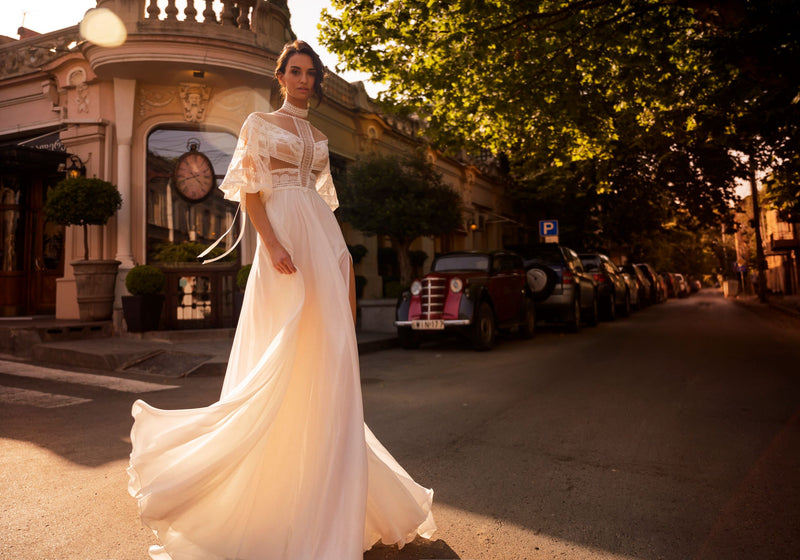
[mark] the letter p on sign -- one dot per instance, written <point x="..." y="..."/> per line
<point x="548" y="229"/>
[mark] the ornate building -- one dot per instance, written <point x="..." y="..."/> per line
<point x="181" y="83"/>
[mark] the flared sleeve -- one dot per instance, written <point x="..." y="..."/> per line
<point x="248" y="171"/>
<point x="326" y="188"/>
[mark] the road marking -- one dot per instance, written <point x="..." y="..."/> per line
<point x="104" y="381"/>
<point x="26" y="397"/>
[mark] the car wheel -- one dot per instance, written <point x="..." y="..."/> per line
<point x="594" y="313"/>
<point x="574" y="324"/>
<point x="541" y="280"/>
<point x="408" y="338"/>
<point x="528" y="326"/>
<point x="483" y="328"/>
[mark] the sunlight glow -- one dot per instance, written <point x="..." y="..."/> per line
<point x="103" y="27"/>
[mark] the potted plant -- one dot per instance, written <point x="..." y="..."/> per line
<point x="80" y="201"/>
<point x="142" y="309"/>
<point x="241" y="283"/>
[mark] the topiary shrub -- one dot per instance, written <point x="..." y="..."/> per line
<point x="187" y="252"/>
<point x="358" y="252"/>
<point x="81" y="201"/>
<point x="145" y="280"/>
<point x="242" y="275"/>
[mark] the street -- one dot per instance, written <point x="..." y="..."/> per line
<point x="673" y="434"/>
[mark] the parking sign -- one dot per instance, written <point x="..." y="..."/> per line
<point x="548" y="228"/>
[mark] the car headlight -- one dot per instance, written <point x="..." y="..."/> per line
<point x="456" y="284"/>
<point x="416" y="287"/>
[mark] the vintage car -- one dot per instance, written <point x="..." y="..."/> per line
<point x="471" y="293"/>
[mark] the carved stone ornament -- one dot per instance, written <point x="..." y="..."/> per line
<point x="77" y="79"/>
<point x="195" y="101"/>
<point x="155" y="97"/>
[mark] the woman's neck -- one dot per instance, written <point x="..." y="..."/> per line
<point x="293" y="110"/>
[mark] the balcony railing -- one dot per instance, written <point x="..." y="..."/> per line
<point x="234" y="13"/>
<point x="783" y="241"/>
<point x="245" y="21"/>
<point x="28" y="55"/>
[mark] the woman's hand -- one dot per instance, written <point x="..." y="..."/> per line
<point x="281" y="259"/>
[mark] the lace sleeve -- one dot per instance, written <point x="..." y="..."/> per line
<point x="326" y="188"/>
<point x="248" y="171"/>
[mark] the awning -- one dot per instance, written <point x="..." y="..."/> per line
<point x="49" y="142"/>
<point x="44" y="153"/>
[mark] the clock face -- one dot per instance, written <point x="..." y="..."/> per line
<point x="194" y="176"/>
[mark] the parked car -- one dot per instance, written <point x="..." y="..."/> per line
<point x="563" y="291"/>
<point x="471" y="293"/>
<point x="672" y="284"/>
<point x="641" y="289"/>
<point x="657" y="287"/>
<point x="682" y="286"/>
<point x="613" y="293"/>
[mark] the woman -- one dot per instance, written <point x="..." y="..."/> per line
<point x="282" y="466"/>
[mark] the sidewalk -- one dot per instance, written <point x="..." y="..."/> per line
<point x="48" y="341"/>
<point x="788" y="305"/>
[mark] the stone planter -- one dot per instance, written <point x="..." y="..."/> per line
<point x="95" y="282"/>
<point x="142" y="312"/>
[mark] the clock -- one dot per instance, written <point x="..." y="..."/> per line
<point x="194" y="175"/>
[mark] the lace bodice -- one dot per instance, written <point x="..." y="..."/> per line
<point x="279" y="151"/>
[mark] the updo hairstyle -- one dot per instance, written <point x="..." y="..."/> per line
<point x="301" y="47"/>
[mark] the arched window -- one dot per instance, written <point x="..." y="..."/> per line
<point x="174" y="216"/>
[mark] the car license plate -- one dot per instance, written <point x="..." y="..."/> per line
<point x="427" y="325"/>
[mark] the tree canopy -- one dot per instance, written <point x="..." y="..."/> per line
<point x="402" y="198"/>
<point x="647" y="107"/>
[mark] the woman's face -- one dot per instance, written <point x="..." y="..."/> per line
<point x="298" y="79"/>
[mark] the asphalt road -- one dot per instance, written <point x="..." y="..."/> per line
<point x="673" y="434"/>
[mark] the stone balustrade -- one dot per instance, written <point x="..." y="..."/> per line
<point x="28" y="55"/>
<point x="234" y="13"/>
<point x="261" y="23"/>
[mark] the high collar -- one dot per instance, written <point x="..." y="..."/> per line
<point x="294" y="110"/>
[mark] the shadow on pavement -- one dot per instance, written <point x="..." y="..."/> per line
<point x="419" y="549"/>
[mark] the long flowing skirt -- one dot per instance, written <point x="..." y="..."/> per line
<point x="282" y="467"/>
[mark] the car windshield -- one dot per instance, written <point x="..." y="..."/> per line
<point x="449" y="263"/>
<point x="590" y="262"/>
<point x="547" y="254"/>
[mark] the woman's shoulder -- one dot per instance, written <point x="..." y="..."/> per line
<point x="258" y="117"/>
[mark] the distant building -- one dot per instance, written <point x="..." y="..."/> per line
<point x="782" y="251"/>
<point x="181" y="81"/>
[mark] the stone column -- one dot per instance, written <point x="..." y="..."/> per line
<point x="124" y="93"/>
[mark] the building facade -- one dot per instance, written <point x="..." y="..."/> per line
<point x="182" y="82"/>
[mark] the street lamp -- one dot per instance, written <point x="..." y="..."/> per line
<point x="75" y="168"/>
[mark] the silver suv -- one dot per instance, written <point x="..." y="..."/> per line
<point x="563" y="291"/>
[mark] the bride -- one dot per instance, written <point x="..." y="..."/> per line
<point x="282" y="466"/>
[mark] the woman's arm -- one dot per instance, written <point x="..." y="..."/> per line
<point x="281" y="259"/>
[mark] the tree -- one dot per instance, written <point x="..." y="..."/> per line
<point x="782" y="193"/>
<point x="82" y="201"/>
<point x="624" y="97"/>
<point x="402" y="198"/>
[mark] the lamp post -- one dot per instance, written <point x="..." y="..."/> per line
<point x="75" y="168"/>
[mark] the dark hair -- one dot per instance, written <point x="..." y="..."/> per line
<point x="301" y="47"/>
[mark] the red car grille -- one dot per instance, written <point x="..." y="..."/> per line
<point x="432" y="297"/>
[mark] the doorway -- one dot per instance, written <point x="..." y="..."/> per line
<point x="31" y="248"/>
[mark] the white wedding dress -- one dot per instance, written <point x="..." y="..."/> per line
<point x="282" y="467"/>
